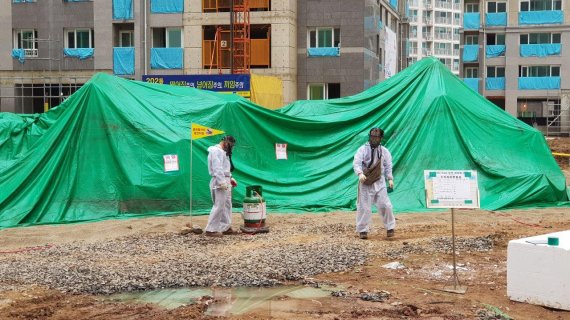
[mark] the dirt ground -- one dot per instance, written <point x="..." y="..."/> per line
<point x="414" y="292"/>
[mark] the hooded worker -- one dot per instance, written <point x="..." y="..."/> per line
<point x="373" y="166"/>
<point x="220" y="167"/>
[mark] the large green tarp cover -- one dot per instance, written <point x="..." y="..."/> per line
<point x="99" y="154"/>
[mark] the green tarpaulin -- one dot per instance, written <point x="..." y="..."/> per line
<point x="100" y="154"/>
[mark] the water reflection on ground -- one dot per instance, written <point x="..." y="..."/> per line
<point x="231" y="301"/>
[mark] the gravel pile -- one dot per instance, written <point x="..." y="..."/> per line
<point x="146" y="262"/>
<point x="442" y="245"/>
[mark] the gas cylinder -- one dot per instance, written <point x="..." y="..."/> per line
<point x="254" y="211"/>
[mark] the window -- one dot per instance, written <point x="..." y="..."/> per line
<point x="539" y="38"/>
<point x="324" y="38"/>
<point x="126" y="38"/>
<point x="167" y="38"/>
<point x="495" y="39"/>
<point x="471" y="39"/>
<point x="539" y="71"/>
<point x="472" y="7"/>
<point x="28" y="40"/>
<point x="541" y="5"/>
<point x="414" y="31"/>
<point x="323" y="91"/>
<point x="79" y="38"/>
<point x="495" y="7"/>
<point x="471" y="72"/>
<point x="495" y="72"/>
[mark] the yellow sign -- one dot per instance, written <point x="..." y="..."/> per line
<point x="199" y="131"/>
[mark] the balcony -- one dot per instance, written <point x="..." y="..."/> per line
<point x="541" y="17"/>
<point x="124" y="61"/>
<point x="427" y="52"/>
<point x="495" y="83"/>
<point x="442" y="20"/>
<point x="443" y="52"/>
<point x="167" y="6"/>
<point x="492" y="51"/>
<point x="472" y="83"/>
<point x="427" y="36"/>
<point x="443" y="5"/>
<point x="166" y="58"/>
<point x="498" y="19"/>
<point x="471" y="21"/>
<point x="427" y="21"/>
<point x="539" y="83"/>
<point x="443" y="36"/>
<point x="471" y="53"/>
<point x="122" y="10"/>
<point x="540" y="50"/>
<point x="413" y="50"/>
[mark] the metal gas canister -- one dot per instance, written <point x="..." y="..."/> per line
<point x="254" y="210"/>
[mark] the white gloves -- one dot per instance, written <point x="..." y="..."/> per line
<point x="391" y="184"/>
<point x="361" y="177"/>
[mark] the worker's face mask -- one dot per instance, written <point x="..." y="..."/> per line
<point x="374" y="140"/>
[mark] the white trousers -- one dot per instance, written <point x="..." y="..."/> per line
<point x="368" y="196"/>
<point x="220" y="218"/>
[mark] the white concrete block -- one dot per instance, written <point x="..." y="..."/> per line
<point x="538" y="273"/>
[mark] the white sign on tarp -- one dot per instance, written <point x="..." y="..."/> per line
<point x="281" y="151"/>
<point x="171" y="162"/>
<point x="451" y="188"/>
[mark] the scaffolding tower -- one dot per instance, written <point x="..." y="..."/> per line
<point x="241" y="37"/>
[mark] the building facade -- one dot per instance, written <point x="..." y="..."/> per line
<point x="318" y="48"/>
<point x="434" y="31"/>
<point x="516" y="54"/>
<point x="345" y="47"/>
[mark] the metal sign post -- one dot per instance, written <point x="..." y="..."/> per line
<point x="452" y="189"/>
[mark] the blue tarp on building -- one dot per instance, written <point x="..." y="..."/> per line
<point x="495" y="50"/>
<point x="470" y="52"/>
<point x="166" y="6"/>
<point x="166" y="58"/>
<point x="538" y="83"/>
<point x="496" y="19"/>
<point x="541" y="17"/>
<point x="323" y="52"/>
<point x="495" y="83"/>
<point x="471" y="20"/>
<point x="124" y="61"/>
<point x="540" y="50"/>
<point x="122" y="9"/>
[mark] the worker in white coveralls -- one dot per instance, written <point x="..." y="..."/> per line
<point x="220" y="168"/>
<point x="373" y="166"/>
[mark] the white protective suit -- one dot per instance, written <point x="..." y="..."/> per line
<point x="220" y="218"/>
<point x="375" y="193"/>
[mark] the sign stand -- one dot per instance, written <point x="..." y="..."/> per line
<point x="452" y="189"/>
<point x="456" y="288"/>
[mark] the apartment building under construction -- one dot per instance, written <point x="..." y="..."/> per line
<point x="319" y="49"/>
